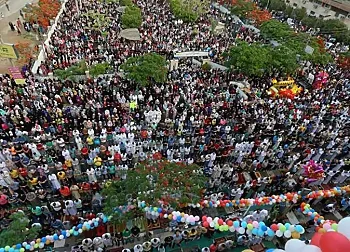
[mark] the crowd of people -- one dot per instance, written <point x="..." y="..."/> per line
<point x="62" y="140"/>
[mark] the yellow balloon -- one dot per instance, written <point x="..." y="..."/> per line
<point x="295" y="235"/>
<point x="182" y="214"/>
<point x="248" y="250"/>
<point x="170" y="216"/>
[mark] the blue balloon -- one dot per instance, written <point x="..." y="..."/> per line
<point x="27" y="247"/>
<point x="11" y="250"/>
<point x="55" y="237"/>
<point x="75" y="233"/>
<point x="255" y="231"/>
<point x="270" y="250"/>
<point x="236" y="224"/>
<point x="159" y="210"/>
<point x="244" y="224"/>
<point x="88" y="227"/>
<point x="210" y="204"/>
<point x="270" y="233"/>
<point x="2" y="250"/>
<point x="43" y="240"/>
<point x="105" y="219"/>
<point x="227" y="204"/>
<point x="193" y="223"/>
<point x="298" y="228"/>
<point x="96" y="224"/>
<point x="264" y="228"/>
<point x="287" y="225"/>
<point x="261" y="233"/>
<point x="64" y="232"/>
<point x="261" y="224"/>
<point x="18" y="246"/>
<point x="80" y="226"/>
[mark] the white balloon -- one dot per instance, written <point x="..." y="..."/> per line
<point x="279" y="233"/>
<point x="279" y="250"/>
<point x="291" y="228"/>
<point x="294" y="245"/>
<point x="232" y="229"/>
<point x="241" y="230"/>
<point x="343" y="227"/>
<point x="311" y="248"/>
<point x="212" y="224"/>
<point x="287" y="234"/>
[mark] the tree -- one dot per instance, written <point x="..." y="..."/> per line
<point x="283" y="59"/>
<point x="242" y="8"/>
<point x="274" y="29"/>
<point x="344" y="60"/>
<point x="98" y="69"/>
<point x="336" y="29"/>
<point x="277" y="5"/>
<point x="189" y="10"/>
<point x="146" y="68"/>
<point x="249" y="59"/>
<point x="300" y="13"/>
<point x="132" y="17"/>
<point x="260" y="16"/>
<point x="18" y="230"/>
<point x="153" y="183"/>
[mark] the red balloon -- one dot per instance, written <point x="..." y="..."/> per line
<point x="220" y="222"/>
<point x="274" y="227"/>
<point x="205" y="224"/>
<point x="334" y="242"/>
<point x="204" y="218"/>
<point x="316" y="239"/>
<point x="229" y="223"/>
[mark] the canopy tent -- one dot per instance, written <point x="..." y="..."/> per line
<point x="130" y="34"/>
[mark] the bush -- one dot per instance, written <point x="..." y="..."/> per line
<point x="126" y="3"/>
<point x="132" y="17"/>
<point x="70" y="72"/>
<point x="188" y="10"/>
<point x="98" y="69"/>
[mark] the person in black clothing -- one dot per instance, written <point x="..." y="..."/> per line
<point x="135" y="232"/>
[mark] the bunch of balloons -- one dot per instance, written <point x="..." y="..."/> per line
<point x="313" y="171"/>
<point x="218" y="224"/>
<point x="60" y="235"/>
<point x="254" y="228"/>
<point x="288" y="197"/>
<point x="182" y="217"/>
<point x="333" y="240"/>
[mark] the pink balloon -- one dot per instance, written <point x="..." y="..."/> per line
<point x="255" y="224"/>
<point x="327" y="226"/>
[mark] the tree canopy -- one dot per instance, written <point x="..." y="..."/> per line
<point x="189" y="10"/>
<point x="146" y="68"/>
<point x="18" y="230"/>
<point x="132" y="17"/>
<point x="274" y="29"/>
<point x="149" y="184"/>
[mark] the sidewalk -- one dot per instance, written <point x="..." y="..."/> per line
<point x="9" y="36"/>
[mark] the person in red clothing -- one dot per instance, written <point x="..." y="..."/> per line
<point x="213" y="247"/>
<point x="3" y="200"/>
<point x="65" y="191"/>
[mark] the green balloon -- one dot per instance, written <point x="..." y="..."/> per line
<point x="71" y="231"/>
<point x="7" y="248"/>
<point x="283" y="228"/>
<point x="250" y="226"/>
<point x="226" y="227"/>
<point x="335" y="226"/>
<point x="21" y="250"/>
<point x="36" y="245"/>
<point x="216" y="226"/>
